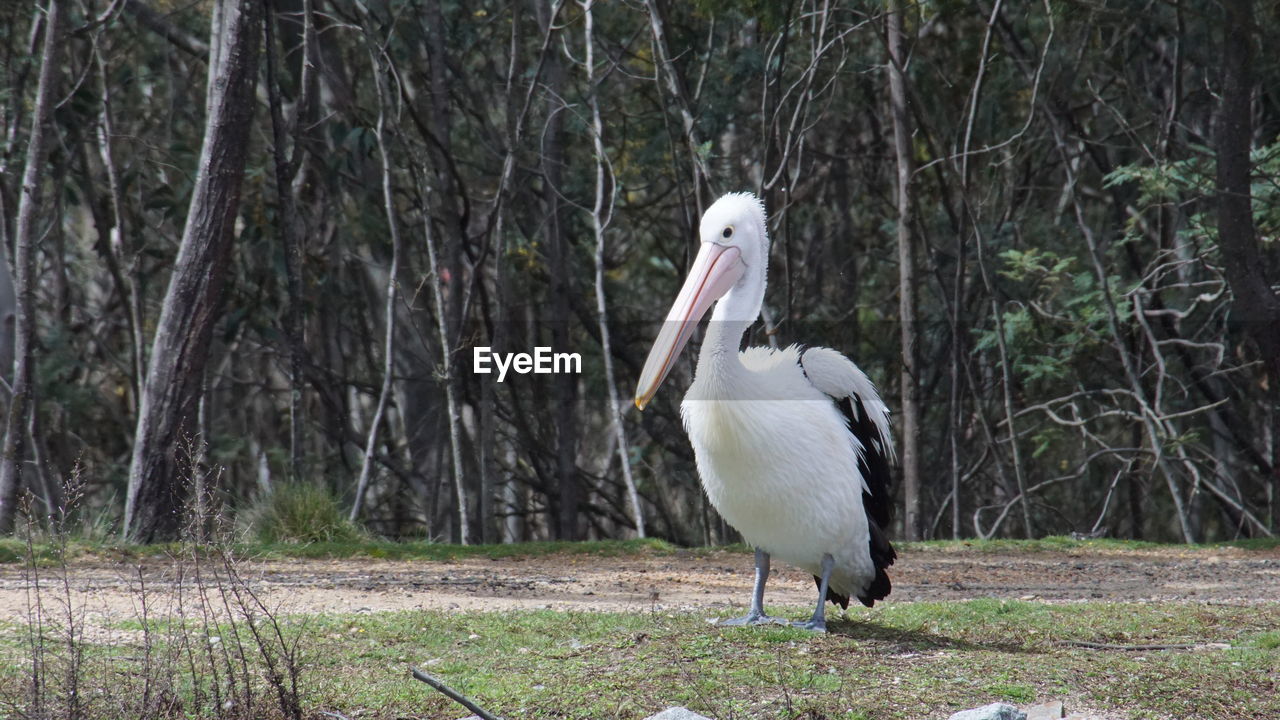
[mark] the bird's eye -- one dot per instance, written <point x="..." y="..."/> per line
<point x="727" y="232"/>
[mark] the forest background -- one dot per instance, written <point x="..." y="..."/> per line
<point x="1047" y="230"/>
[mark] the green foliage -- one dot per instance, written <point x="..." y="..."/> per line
<point x="300" y="513"/>
<point x="1193" y="178"/>
<point x="1059" y="328"/>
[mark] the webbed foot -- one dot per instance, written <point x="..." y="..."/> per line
<point x="753" y="619"/>
<point x="813" y="625"/>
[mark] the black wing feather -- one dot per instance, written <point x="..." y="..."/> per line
<point x="873" y="463"/>
<point x="878" y="503"/>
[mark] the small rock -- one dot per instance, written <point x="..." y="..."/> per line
<point x="994" y="711"/>
<point x="1045" y="711"/>
<point x="677" y="713"/>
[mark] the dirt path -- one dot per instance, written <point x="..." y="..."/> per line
<point x="716" y="583"/>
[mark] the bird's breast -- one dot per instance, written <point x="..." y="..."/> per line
<point x="783" y="472"/>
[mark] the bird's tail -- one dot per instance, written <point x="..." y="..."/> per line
<point x="882" y="556"/>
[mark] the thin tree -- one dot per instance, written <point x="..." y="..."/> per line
<point x="120" y="250"/>
<point x="552" y="162"/>
<point x="906" y="277"/>
<point x="158" y="471"/>
<point x="23" y="402"/>
<point x="599" y="221"/>
<point x="451" y="399"/>
<point x="392" y="293"/>
<point x="286" y="167"/>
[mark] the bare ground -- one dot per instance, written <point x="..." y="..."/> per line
<point x="716" y="583"/>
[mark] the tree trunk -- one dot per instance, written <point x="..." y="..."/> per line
<point x="452" y="269"/>
<point x="289" y="235"/>
<point x="564" y="393"/>
<point x="906" y="280"/>
<point x="599" y="219"/>
<point x="1256" y="306"/>
<point x="24" y="286"/>
<point x="392" y="292"/>
<point x="170" y="398"/>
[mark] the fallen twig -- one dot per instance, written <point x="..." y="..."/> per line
<point x="1133" y="648"/>
<point x="461" y="699"/>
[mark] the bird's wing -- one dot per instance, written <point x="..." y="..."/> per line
<point x="837" y="376"/>
<point x="856" y="396"/>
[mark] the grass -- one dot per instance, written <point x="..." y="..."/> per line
<point x="15" y="550"/>
<point x="898" y="661"/>
<point x="300" y="513"/>
<point x="1058" y="543"/>
<point x="914" y="660"/>
<point x="895" y="662"/>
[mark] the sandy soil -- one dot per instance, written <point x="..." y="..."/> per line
<point x="716" y="583"/>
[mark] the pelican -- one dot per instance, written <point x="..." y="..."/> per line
<point x="793" y="446"/>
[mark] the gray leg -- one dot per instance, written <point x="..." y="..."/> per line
<point x="756" y="615"/>
<point x="818" y="623"/>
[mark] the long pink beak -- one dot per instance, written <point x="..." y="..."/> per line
<point x="714" y="271"/>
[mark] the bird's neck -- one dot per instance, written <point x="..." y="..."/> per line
<point x="733" y="314"/>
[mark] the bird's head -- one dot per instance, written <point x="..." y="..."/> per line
<point x="737" y="220"/>
<point x="733" y="254"/>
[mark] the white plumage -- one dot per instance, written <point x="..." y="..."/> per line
<point x="792" y="445"/>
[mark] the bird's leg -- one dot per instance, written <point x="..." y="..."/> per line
<point x="818" y="623"/>
<point x="756" y="616"/>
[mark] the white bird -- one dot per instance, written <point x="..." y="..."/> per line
<point x="793" y="446"/>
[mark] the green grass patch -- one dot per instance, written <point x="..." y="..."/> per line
<point x="358" y="545"/>
<point x="424" y="550"/>
<point x="898" y="661"/>
<point x="1058" y="543"/>
<point x="16" y="551"/>
<point x="1267" y="640"/>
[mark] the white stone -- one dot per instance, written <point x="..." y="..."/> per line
<point x="994" y="711"/>
<point x="1045" y="711"/>
<point x="677" y="713"/>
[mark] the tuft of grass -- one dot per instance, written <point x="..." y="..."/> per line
<point x="1266" y="640"/>
<point x="300" y="513"/>
<point x="1012" y="692"/>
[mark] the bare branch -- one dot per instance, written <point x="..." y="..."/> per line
<point x="454" y="695"/>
